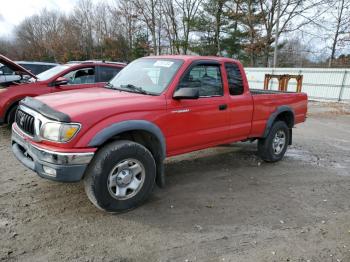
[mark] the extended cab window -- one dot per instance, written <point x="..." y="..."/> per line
<point x="81" y="76"/>
<point x="207" y="78"/>
<point x="106" y="73"/>
<point x="234" y="77"/>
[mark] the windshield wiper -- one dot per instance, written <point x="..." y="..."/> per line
<point x="109" y="85"/>
<point x="137" y="89"/>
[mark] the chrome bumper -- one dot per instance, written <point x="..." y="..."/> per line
<point x="58" y="166"/>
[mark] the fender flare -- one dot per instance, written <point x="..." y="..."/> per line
<point x="274" y="115"/>
<point x="130" y="125"/>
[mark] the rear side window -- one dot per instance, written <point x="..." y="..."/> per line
<point x="107" y="73"/>
<point x="234" y="77"/>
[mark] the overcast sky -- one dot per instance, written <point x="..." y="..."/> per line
<point x="12" y="12"/>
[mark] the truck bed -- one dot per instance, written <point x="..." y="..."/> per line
<point x="271" y="92"/>
<point x="266" y="103"/>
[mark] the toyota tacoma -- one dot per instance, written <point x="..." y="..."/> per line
<point x="116" y="138"/>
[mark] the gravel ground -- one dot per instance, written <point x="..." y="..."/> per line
<point x="220" y="204"/>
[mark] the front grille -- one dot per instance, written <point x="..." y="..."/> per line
<point x="25" y="122"/>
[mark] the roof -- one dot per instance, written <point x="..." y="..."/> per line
<point x="97" y="62"/>
<point x="35" y="63"/>
<point x="193" y="57"/>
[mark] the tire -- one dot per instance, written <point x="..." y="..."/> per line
<point x="11" y="115"/>
<point x="270" y="151"/>
<point x="113" y="181"/>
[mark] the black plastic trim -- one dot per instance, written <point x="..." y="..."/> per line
<point x="130" y="125"/>
<point x="101" y="137"/>
<point x="274" y="115"/>
<point x="64" y="173"/>
<point x="44" y="109"/>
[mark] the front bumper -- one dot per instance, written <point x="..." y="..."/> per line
<point x="64" y="167"/>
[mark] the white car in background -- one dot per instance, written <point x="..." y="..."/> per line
<point x="9" y="74"/>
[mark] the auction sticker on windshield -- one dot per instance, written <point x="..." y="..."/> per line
<point x="163" y="63"/>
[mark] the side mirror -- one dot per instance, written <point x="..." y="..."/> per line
<point x="186" y="93"/>
<point x="60" y="81"/>
<point x="1" y="72"/>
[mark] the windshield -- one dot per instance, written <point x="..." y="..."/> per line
<point x="51" y="72"/>
<point x="146" y="74"/>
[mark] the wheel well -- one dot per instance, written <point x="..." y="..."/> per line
<point x="9" y="110"/>
<point x="145" y="138"/>
<point x="287" y="117"/>
<point x="152" y="143"/>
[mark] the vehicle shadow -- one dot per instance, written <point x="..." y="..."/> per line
<point x="216" y="186"/>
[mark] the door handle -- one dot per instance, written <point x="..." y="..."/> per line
<point x="223" y="107"/>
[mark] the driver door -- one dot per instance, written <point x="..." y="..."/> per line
<point x="78" y="79"/>
<point x="196" y="123"/>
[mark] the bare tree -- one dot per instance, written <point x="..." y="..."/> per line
<point x="126" y="14"/>
<point x="83" y="17"/>
<point x="124" y="29"/>
<point x="291" y="17"/>
<point x="171" y="25"/>
<point x="148" y="12"/>
<point x="189" y="10"/>
<point x="340" y="12"/>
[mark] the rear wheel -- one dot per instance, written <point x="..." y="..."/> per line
<point x="120" y="177"/>
<point x="274" y="146"/>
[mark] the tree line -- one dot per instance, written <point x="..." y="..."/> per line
<point x="128" y="29"/>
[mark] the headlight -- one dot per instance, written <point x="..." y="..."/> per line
<point x="59" y="132"/>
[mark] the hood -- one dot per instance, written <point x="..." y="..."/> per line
<point x="15" y="67"/>
<point x="93" y="104"/>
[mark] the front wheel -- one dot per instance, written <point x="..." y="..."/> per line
<point x="274" y="146"/>
<point x="120" y="177"/>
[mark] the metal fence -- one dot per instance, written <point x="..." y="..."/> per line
<point x="318" y="83"/>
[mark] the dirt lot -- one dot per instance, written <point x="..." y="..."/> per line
<point x="221" y="204"/>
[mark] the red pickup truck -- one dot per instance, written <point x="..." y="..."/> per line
<point x="60" y="78"/>
<point x="116" y="138"/>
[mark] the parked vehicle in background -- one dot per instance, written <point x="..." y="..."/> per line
<point x="7" y="75"/>
<point x="57" y="79"/>
<point x="36" y="67"/>
<point x="116" y="138"/>
<point x="11" y="72"/>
